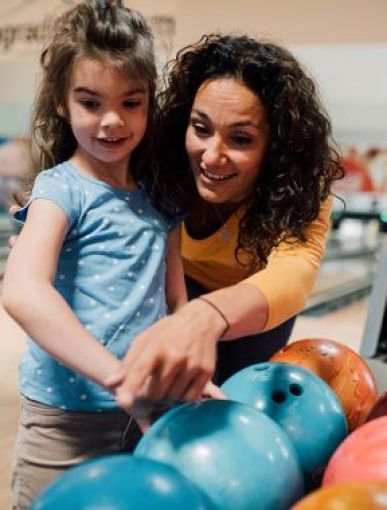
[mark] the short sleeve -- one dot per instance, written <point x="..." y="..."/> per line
<point x="175" y="220"/>
<point x="56" y="186"/>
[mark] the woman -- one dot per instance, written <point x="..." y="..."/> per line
<point x="242" y="123"/>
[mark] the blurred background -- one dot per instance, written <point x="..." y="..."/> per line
<point x="344" y="46"/>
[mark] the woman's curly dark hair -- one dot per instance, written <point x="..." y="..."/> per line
<point x="300" y="164"/>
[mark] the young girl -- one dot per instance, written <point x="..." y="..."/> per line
<point x="95" y="256"/>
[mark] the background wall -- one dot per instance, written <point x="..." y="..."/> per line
<point x="344" y="44"/>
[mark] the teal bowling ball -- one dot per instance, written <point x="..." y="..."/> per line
<point x="241" y="458"/>
<point x="122" y="482"/>
<point x="301" y="403"/>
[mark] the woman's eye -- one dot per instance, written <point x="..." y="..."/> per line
<point x="200" y="129"/>
<point x="241" y="140"/>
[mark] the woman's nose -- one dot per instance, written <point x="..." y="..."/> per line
<point x="214" y="153"/>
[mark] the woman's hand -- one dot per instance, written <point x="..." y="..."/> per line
<point x="173" y="359"/>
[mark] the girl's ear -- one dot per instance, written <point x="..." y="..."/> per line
<point x="60" y="110"/>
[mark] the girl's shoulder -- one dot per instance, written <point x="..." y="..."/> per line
<point x="61" y="172"/>
<point x="58" y="185"/>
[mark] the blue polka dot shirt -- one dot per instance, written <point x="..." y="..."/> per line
<point x="111" y="271"/>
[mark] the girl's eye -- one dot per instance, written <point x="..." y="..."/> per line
<point x="132" y="104"/>
<point x="89" y="103"/>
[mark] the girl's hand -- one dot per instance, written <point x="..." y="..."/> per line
<point x="12" y="240"/>
<point x="173" y="359"/>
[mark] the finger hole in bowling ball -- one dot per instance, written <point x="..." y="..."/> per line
<point x="261" y="367"/>
<point x="278" y="396"/>
<point x="296" y="390"/>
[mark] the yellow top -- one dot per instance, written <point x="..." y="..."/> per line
<point x="287" y="279"/>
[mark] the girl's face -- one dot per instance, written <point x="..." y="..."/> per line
<point x="226" y="140"/>
<point x="108" y="113"/>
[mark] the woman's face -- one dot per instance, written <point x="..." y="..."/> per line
<point x="226" y="140"/>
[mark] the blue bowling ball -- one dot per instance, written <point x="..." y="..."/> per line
<point x="300" y="402"/>
<point x="122" y="482"/>
<point x="241" y="458"/>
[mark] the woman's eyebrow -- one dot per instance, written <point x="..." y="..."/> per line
<point x="239" y="123"/>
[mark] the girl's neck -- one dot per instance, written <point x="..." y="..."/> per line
<point x="115" y="174"/>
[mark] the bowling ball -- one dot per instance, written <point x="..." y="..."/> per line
<point x="342" y="368"/>
<point x="120" y="482"/>
<point x="346" y="496"/>
<point x="360" y="457"/>
<point x="237" y="455"/>
<point x="379" y="409"/>
<point x="302" y="404"/>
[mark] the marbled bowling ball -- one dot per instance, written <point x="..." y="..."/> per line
<point x="342" y="368"/>
<point x="346" y="496"/>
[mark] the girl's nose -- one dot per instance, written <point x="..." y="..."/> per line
<point x="110" y="119"/>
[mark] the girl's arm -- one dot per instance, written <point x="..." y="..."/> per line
<point x="30" y="298"/>
<point x="174" y="281"/>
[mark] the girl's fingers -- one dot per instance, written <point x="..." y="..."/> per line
<point x="137" y="373"/>
<point x="114" y="380"/>
<point x="13" y="209"/>
<point x="12" y="241"/>
<point x="213" y="391"/>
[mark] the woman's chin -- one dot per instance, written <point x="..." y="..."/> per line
<point x="211" y="196"/>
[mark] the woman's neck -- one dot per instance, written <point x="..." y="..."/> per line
<point x="204" y="218"/>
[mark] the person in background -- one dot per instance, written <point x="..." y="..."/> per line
<point x="243" y="129"/>
<point x="15" y="163"/>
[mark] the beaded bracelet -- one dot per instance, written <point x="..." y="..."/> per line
<point x="219" y="312"/>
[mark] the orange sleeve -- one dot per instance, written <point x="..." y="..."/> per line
<point x="288" y="279"/>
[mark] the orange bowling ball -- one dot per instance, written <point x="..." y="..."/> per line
<point x="346" y="496"/>
<point x="342" y="368"/>
<point x="361" y="457"/>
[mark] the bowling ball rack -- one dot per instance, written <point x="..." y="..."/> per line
<point x="374" y="341"/>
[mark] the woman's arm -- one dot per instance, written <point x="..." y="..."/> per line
<point x="175" y="358"/>
<point x="288" y="279"/>
<point x="30" y="298"/>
